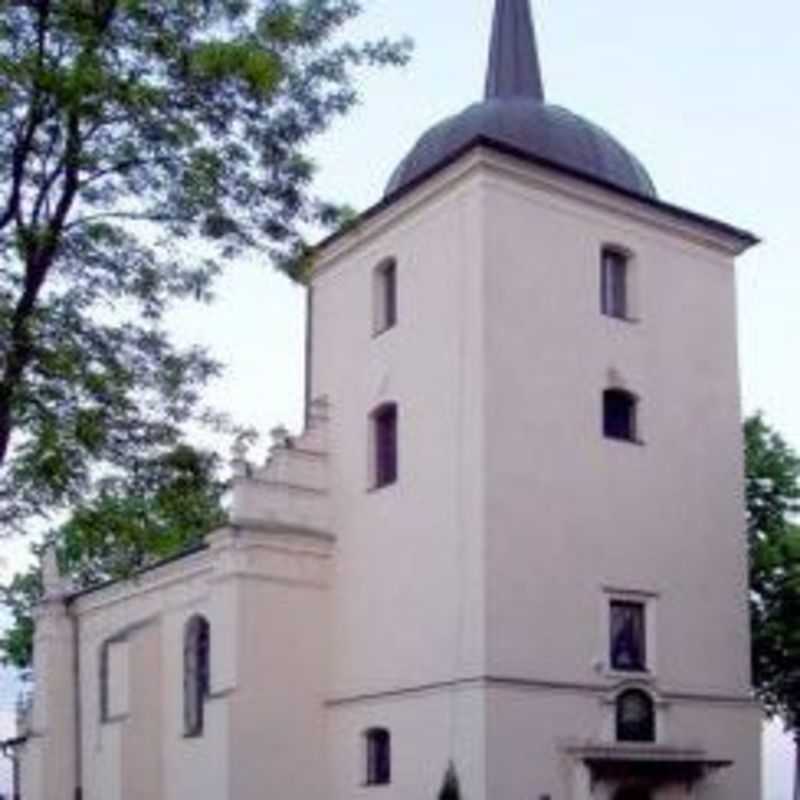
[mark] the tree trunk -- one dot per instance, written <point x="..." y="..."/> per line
<point x="38" y="262"/>
<point x="19" y="352"/>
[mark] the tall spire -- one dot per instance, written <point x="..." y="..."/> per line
<point x="513" y="59"/>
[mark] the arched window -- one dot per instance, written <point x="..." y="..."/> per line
<point x="196" y="674"/>
<point x="378" y="757"/>
<point x="384" y="445"/>
<point x="636" y="717"/>
<point x="619" y="415"/>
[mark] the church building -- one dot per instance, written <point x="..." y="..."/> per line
<point x="506" y="556"/>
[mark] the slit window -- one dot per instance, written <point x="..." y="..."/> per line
<point x="378" y="745"/>
<point x="196" y="674"/>
<point x="385" y="296"/>
<point x="619" y="415"/>
<point x="384" y="445"/>
<point x="614" y="283"/>
<point x="636" y="717"/>
<point x="628" y="636"/>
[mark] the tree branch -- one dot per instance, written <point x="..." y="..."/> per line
<point x="128" y="216"/>
<point x="118" y="168"/>
<point x="24" y="145"/>
<point x="44" y="191"/>
<point x="39" y="260"/>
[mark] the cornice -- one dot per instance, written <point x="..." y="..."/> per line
<point x="502" y="159"/>
<point x="594" y="690"/>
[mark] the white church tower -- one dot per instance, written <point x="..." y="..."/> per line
<point x="509" y="547"/>
<point x="532" y="369"/>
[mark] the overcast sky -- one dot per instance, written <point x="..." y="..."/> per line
<point x="705" y="94"/>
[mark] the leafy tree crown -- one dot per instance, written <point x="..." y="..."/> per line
<point x="143" y="145"/>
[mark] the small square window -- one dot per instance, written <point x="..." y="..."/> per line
<point x="614" y="284"/>
<point x="384" y="445"/>
<point x="628" y="636"/>
<point x="385" y="296"/>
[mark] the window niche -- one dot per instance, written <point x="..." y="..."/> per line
<point x="628" y="636"/>
<point x="615" y="283"/>
<point x="114" y="689"/>
<point x="384" y="441"/>
<point x="635" y="717"/>
<point x="196" y="674"/>
<point x="384" y="296"/>
<point x="378" y="757"/>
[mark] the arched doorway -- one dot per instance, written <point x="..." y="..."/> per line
<point x="633" y="793"/>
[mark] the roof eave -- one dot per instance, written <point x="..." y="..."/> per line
<point x="79" y="594"/>
<point x="741" y="239"/>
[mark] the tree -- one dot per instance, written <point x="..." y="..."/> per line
<point x="20" y="597"/>
<point x="451" y="787"/>
<point x="162" y="511"/>
<point x="773" y="503"/>
<point x="142" y="146"/>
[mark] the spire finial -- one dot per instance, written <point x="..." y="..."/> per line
<point x="513" y="58"/>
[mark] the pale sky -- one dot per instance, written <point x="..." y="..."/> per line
<point x="704" y="93"/>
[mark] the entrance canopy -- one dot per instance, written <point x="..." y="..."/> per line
<point x="648" y="766"/>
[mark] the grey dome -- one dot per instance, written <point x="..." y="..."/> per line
<point x="515" y="114"/>
<point x="533" y="128"/>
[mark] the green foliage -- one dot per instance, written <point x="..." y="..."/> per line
<point x="20" y="597"/>
<point x="162" y="509"/>
<point x="143" y="145"/>
<point x="773" y="503"/>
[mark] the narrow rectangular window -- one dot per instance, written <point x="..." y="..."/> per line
<point x="614" y="284"/>
<point x="628" y="636"/>
<point x="619" y="415"/>
<point x="196" y="674"/>
<point x="385" y="296"/>
<point x="104" y="691"/>
<point x="379" y="757"/>
<point x="390" y="294"/>
<point x="384" y="422"/>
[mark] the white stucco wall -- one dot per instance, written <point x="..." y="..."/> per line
<point x="513" y="520"/>
<point x="407" y="560"/>
<point x="408" y="590"/>
<point x="572" y="517"/>
<point x="264" y="597"/>
<point x="425" y="728"/>
<point x="143" y="753"/>
<point x="570" y="512"/>
<point x="277" y="735"/>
